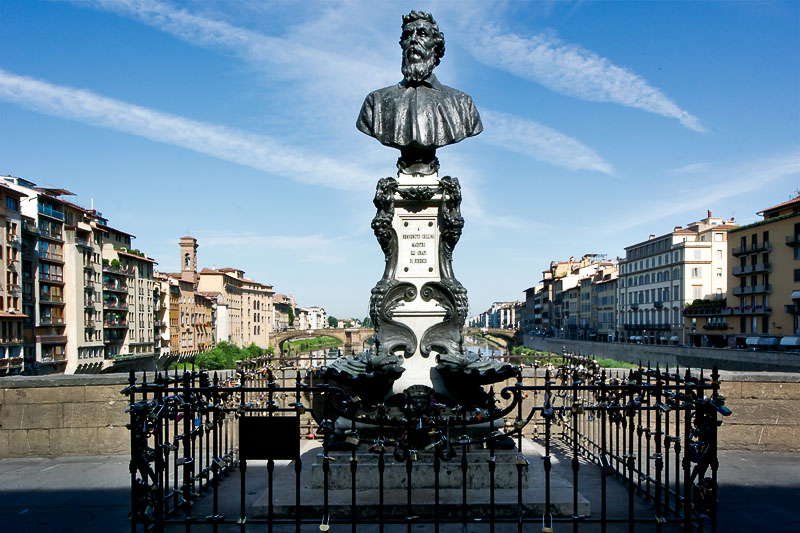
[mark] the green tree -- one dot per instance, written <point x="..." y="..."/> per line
<point x="332" y="322"/>
<point x="291" y="316"/>
<point x="367" y="322"/>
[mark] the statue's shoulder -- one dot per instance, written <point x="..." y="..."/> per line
<point x="456" y="94"/>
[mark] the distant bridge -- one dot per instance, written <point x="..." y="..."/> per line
<point x="352" y="338"/>
<point x="506" y="338"/>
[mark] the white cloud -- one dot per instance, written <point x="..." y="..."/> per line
<point x="540" y="142"/>
<point x="307" y="248"/>
<point x="258" y="151"/>
<point x="572" y="70"/>
<point x="725" y="183"/>
<point x="691" y="168"/>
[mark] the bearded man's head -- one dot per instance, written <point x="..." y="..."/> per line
<point x="423" y="45"/>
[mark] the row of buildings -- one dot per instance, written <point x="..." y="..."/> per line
<point x="76" y="296"/>
<point x="711" y="283"/>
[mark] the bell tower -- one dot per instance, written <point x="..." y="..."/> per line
<point x="188" y="258"/>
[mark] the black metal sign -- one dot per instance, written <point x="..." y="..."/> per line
<point x="269" y="437"/>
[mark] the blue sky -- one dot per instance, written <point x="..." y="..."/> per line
<point x="234" y="121"/>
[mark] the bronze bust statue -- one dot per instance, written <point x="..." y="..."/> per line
<point x="419" y="114"/>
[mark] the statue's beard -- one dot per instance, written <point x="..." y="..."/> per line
<point x="415" y="70"/>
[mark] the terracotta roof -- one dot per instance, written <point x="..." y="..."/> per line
<point x="725" y="226"/>
<point x="684" y="230"/>
<point x="107" y="227"/>
<point x="139" y="257"/>
<point x="6" y="314"/>
<point x="784" y="204"/>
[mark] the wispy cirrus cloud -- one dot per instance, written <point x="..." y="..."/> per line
<point x="575" y="71"/>
<point x="321" y="57"/>
<point x="691" y="168"/>
<point x="730" y="182"/>
<point x="309" y="248"/>
<point x="257" y="151"/>
<point x="540" y="142"/>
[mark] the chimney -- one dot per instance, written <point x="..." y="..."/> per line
<point x="651" y="237"/>
<point x="676" y="228"/>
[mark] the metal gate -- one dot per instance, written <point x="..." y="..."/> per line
<point x="653" y="430"/>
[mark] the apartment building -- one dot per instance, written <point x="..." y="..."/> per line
<point x="604" y="304"/>
<point x="11" y="316"/>
<point x="763" y="303"/>
<point x="317" y="319"/>
<point x="661" y="275"/>
<point x="531" y="320"/>
<point x="78" y="277"/>
<point x="281" y="306"/>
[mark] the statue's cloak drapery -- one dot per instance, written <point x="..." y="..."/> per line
<point x="425" y="115"/>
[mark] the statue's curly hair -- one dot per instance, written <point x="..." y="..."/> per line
<point x="438" y="36"/>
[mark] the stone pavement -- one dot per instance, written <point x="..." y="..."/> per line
<point x="758" y="491"/>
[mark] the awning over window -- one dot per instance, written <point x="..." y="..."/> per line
<point x="674" y="338"/>
<point x="790" y="341"/>
<point x="751" y="341"/>
<point x="795" y="295"/>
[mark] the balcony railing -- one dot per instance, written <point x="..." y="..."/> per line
<point x="115" y="305"/>
<point x="752" y="289"/>
<point x="51" y="256"/>
<point x="53" y="357"/>
<point x="658" y="304"/>
<point x="51" y="321"/>
<point x="707" y="311"/>
<point x="51" y="339"/>
<point x="12" y="265"/>
<point x="656" y="325"/>
<point x="46" y="276"/>
<point x="752" y="269"/>
<point x="130" y="271"/>
<point x="12" y="238"/>
<point x="51" y="298"/>
<point x="752" y="249"/>
<point x="793" y="309"/>
<point x="50" y="212"/>
<point x="10" y="340"/>
<point x="715" y="326"/>
<point x="752" y="310"/>
<point x="83" y="242"/>
<point x="792" y="240"/>
<point x="115" y="324"/>
<point x="115" y="287"/>
<point x="30" y="227"/>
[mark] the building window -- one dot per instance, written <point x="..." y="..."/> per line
<point x="719" y="254"/>
<point x="697" y="272"/>
<point x="697" y="292"/>
<point x="797" y="274"/>
<point x="12" y="203"/>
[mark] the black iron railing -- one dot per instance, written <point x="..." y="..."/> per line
<point x="651" y="429"/>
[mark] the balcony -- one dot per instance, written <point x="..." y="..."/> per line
<point x="793" y="309"/>
<point x="10" y="340"/>
<point x="51" y="256"/>
<point x="52" y="235"/>
<point x="115" y="324"/>
<point x="752" y="269"/>
<point x="112" y="337"/>
<point x="12" y="239"/>
<point x="115" y="305"/>
<point x="54" y="357"/>
<point x="707" y="311"/>
<point x="755" y="248"/>
<point x="658" y="304"/>
<point x="51" y="299"/>
<point x="647" y="326"/>
<point x="752" y="310"/>
<point x="752" y="289"/>
<point x="90" y="324"/>
<point x="130" y="271"/>
<point x="51" y="278"/>
<point x="715" y="326"/>
<point x="12" y="265"/>
<point x="83" y="242"/>
<point x="792" y="240"/>
<point x="51" y="339"/>
<point x="635" y="306"/>
<point x="29" y="227"/>
<point x="115" y="287"/>
<point x="48" y="211"/>
<point x="51" y="321"/>
<point x="89" y="303"/>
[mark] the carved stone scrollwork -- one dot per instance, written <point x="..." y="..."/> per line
<point x="446" y="336"/>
